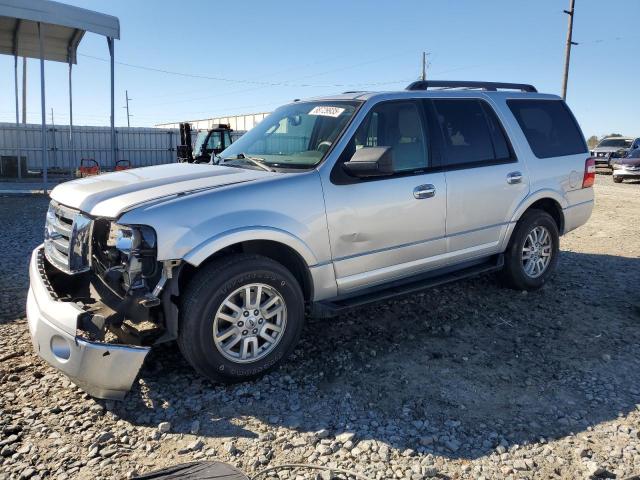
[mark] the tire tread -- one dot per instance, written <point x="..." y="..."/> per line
<point x="511" y="275"/>
<point x="200" y="285"/>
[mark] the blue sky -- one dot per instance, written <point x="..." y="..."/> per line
<point x="333" y="46"/>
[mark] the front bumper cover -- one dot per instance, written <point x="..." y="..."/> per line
<point x="103" y="370"/>
<point x="625" y="173"/>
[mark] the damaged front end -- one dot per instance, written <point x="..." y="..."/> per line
<point x="99" y="299"/>
<point x="124" y="293"/>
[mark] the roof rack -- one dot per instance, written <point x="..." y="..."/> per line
<point x="491" y="86"/>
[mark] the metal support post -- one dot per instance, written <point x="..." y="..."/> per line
<point x="45" y="159"/>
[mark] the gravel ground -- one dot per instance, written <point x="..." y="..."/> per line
<point x="464" y="381"/>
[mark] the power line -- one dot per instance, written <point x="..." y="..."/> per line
<point x="239" y="80"/>
<point x="271" y="74"/>
<point x="208" y="97"/>
<point x="296" y="67"/>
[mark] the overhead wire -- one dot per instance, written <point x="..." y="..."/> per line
<point x="237" y="80"/>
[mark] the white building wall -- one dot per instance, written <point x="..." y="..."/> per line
<point x="240" y="123"/>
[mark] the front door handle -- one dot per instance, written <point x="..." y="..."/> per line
<point x="424" y="191"/>
<point x="514" y="177"/>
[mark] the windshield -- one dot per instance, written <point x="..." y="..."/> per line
<point x="295" y="136"/>
<point x="214" y="142"/>
<point x="615" y="142"/>
<point x="634" y="153"/>
<point x="197" y="146"/>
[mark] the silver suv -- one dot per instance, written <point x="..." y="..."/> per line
<point x="327" y="204"/>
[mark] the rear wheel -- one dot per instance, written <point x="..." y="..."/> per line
<point x="532" y="255"/>
<point x="241" y="316"/>
<point x="617" y="179"/>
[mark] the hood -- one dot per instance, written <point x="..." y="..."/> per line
<point x="609" y="149"/>
<point x="111" y="194"/>
<point x="629" y="162"/>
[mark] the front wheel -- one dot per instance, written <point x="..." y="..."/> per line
<point x="241" y="316"/>
<point x="532" y="254"/>
<point x="617" y="179"/>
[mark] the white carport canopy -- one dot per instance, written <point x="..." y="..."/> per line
<point x="52" y="31"/>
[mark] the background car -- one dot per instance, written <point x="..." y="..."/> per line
<point x="627" y="167"/>
<point x="611" y="147"/>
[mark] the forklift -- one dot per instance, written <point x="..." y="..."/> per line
<point x="207" y="143"/>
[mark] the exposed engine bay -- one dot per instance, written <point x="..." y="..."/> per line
<point x="126" y="292"/>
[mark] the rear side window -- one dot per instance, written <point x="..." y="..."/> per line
<point x="549" y="126"/>
<point x="472" y="133"/>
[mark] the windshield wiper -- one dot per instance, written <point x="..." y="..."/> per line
<point x="257" y="161"/>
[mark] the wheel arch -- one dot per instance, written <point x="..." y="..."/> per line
<point x="548" y="201"/>
<point x="284" y="253"/>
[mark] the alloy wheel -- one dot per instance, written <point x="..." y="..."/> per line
<point x="250" y="323"/>
<point x="537" y="252"/>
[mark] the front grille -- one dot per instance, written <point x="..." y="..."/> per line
<point x="66" y="238"/>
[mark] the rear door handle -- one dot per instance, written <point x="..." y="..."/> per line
<point x="424" y="191"/>
<point x="514" y="177"/>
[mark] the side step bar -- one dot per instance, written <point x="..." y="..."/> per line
<point x="404" y="287"/>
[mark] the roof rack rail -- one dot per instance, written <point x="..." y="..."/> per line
<point x="491" y="86"/>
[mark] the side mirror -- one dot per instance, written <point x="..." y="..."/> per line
<point x="371" y="162"/>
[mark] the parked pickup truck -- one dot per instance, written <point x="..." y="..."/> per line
<point x="611" y="148"/>
<point x="326" y="205"/>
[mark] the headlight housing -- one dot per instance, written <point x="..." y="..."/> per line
<point x="132" y="251"/>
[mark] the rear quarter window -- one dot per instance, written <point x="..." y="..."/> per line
<point x="549" y="126"/>
<point x="473" y="135"/>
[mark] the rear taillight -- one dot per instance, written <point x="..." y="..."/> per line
<point x="589" y="173"/>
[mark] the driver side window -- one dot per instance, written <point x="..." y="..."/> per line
<point x="397" y="125"/>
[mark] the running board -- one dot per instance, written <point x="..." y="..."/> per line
<point x="336" y="306"/>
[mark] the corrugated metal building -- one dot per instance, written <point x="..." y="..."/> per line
<point x="141" y="146"/>
<point x="240" y="123"/>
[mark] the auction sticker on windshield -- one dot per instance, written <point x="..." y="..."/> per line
<point x="326" y="111"/>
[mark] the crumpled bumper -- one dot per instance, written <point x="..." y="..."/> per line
<point x="102" y="370"/>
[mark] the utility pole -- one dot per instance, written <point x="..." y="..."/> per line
<point x="24" y="90"/>
<point x="126" y="96"/>
<point x="52" y="122"/>
<point x="424" y="65"/>
<point x="570" y="42"/>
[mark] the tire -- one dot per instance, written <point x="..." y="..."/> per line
<point x="516" y="273"/>
<point x="617" y="179"/>
<point x="202" y="311"/>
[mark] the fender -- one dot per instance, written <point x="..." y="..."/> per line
<point x="224" y="239"/>
<point x="525" y="204"/>
<point x="539" y="195"/>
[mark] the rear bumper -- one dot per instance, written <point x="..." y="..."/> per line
<point x="102" y="370"/>
<point x="577" y="215"/>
